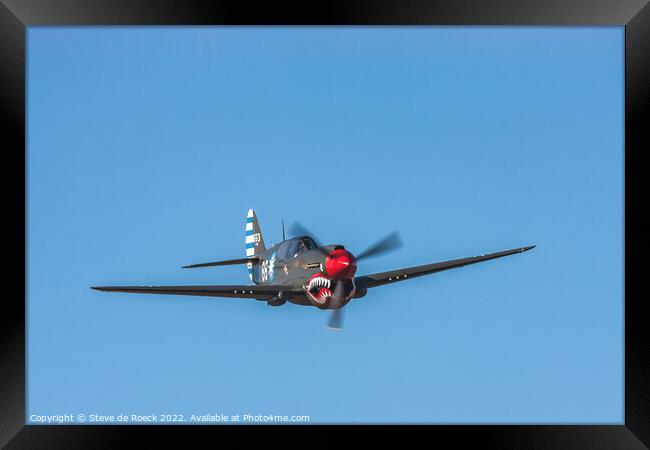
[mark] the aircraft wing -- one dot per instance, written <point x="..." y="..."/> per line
<point x="236" y="291"/>
<point x="379" y="279"/>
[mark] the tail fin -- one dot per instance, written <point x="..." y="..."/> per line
<point x="254" y="239"/>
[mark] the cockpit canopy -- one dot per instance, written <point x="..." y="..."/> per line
<point x="294" y="247"/>
<point x="309" y="243"/>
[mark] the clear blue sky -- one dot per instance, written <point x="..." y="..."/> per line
<point x="147" y="146"/>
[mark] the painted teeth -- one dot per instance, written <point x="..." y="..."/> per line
<point x="320" y="282"/>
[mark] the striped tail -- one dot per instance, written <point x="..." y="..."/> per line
<point x="254" y="239"/>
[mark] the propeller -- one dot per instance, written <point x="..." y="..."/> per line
<point x="297" y="229"/>
<point x="336" y="316"/>
<point x="334" y="322"/>
<point x="389" y="243"/>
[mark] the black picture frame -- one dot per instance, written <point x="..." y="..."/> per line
<point x="16" y="15"/>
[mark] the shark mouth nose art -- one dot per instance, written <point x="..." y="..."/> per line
<point x="319" y="289"/>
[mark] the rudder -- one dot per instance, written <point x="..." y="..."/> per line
<point x="254" y="240"/>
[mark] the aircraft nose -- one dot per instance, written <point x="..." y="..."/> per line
<point x="341" y="264"/>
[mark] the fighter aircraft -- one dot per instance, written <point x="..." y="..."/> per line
<point x="300" y="270"/>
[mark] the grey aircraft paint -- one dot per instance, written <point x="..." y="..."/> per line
<point x="300" y="270"/>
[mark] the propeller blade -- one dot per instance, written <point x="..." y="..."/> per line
<point x="391" y="242"/>
<point x="297" y="229"/>
<point x="337" y="295"/>
<point x="336" y="316"/>
<point x="335" y="320"/>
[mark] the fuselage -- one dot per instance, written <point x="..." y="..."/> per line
<point x="300" y="263"/>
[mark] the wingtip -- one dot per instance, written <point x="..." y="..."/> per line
<point x="530" y="247"/>
<point x="98" y="288"/>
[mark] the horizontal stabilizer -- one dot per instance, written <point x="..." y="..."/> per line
<point x="228" y="262"/>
